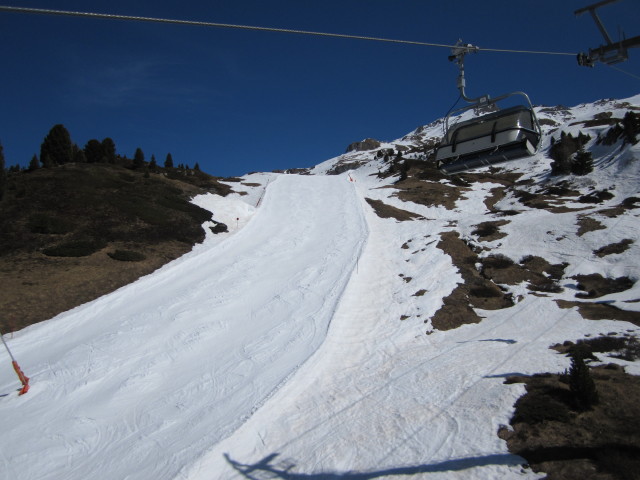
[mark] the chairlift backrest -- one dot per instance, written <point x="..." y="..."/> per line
<point x="514" y="117"/>
<point x="489" y="139"/>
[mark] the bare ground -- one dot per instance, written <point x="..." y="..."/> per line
<point x="602" y="443"/>
<point x="37" y="287"/>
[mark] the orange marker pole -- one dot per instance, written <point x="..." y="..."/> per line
<point x="23" y="378"/>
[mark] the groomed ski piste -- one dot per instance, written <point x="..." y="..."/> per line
<point x="277" y="351"/>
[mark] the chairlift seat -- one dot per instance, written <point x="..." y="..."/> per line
<point x="497" y="137"/>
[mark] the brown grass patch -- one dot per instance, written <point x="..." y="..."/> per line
<point x="476" y="291"/>
<point x="36" y="287"/>
<point x="387" y="211"/>
<point x="601" y="311"/>
<point x="588" y="224"/>
<point x="628" y="203"/>
<point x="613" y="248"/>
<point x="601" y="443"/>
<point x="595" y="285"/>
<point x="502" y="270"/>
<point x="490" y="231"/>
<point x="431" y="194"/>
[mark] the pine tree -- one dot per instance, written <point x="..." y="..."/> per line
<point x="196" y="167"/>
<point x="3" y="173"/>
<point x="168" y="163"/>
<point x="79" y="156"/>
<point x="57" y="146"/>
<point x="138" y="158"/>
<point x="46" y="161"/>
<point x="582" y="163"/>
<point x="580" y="382"/>
<point x="631" y="127"/>
<point x="34" y="164"/>
<point x="152" y="163"/>
<point x="109" y="150"/>
<point x="93" y="151"/>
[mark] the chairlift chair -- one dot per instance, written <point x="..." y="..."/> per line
<point x="496" y="137"/>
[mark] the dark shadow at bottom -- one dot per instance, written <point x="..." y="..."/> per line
<point x="267" y="469"/>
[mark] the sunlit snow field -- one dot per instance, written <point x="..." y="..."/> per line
<point x="277" y="350"/>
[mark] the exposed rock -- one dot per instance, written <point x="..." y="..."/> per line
<point x="364" y="145"/>
<point x="219" y="227"/>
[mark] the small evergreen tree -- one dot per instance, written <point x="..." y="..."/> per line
<point x="152" y="163"/>
<point x="582" y="163"/>
<point x="46" y="161"/>
<point x="168" y="163"/>
<point x="138" y="158"/>
<point x="631" y="127"/>
<point x="109" y="150"/>
<point x="79" y="156"/>
<point x="34" y="164"/>
<point x="93" y="151"/>
<point x="57" y="146"/>
<point x="562" y="152"/>
<point x="196" y="167"/>
<point x="580" y="382"/>
<point x="3" y="173"/>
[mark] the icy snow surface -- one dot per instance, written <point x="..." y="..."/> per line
<point x="278" y="350"/>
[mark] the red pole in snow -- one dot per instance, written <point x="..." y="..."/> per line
<point x="23" y="378"/>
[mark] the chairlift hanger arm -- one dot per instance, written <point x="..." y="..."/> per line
<point x="457" y="55"/>
<point x="611" y="52"/>
<point x="592" y="10"/>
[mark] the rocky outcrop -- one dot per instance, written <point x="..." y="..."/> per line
<point x="364" y="145"/>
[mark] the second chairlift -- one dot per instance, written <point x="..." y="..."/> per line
<point x="493" y="138"/>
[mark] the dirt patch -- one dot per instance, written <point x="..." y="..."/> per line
<point x="540" y="266"/>
<point x="560" y="189"/>
<point x="588" y="224"/>
<point x="615" y="346"/>
<point x="490" y="231"/>
<point x="36" y="287"/>
<point x="476" y="291"/>
<point x="544" y="201"/>
<point x="601" y="311"/>
<point x="598" y="196"/>
<point x="595" y="285"/>
<point x="601" y="443"/>
<point x="387" y="211"/>
<point x="431" y="194"/>
<point x="628" y="203"/>
<point x="541" y="275"/>
<point x="613" y="248"/>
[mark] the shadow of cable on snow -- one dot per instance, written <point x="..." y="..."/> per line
<point x="267" y="468"/>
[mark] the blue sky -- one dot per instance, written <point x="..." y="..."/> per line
<point x="237" y="101"/>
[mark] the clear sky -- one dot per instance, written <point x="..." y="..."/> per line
<point x="237" y="101"/>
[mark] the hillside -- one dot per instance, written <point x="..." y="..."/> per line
<point x="60" y="229"/>
<point x="369" y="318"/>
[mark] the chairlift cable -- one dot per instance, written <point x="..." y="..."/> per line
<point x="46" y="11"/>
<point x="624" y="71"/>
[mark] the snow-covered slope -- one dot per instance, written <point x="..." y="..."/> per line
<point x="138" y="383"/>
<point x="294" y="347"/>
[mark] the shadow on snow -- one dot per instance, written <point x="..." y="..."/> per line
<point x="266" y="469"/>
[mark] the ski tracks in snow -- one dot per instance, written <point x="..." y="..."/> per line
<point x="141" y="382"/>
<point x="377" y="401"/>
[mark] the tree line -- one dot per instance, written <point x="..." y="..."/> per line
<point x="57" y="148"/>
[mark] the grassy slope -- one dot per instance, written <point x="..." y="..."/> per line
<point x="59" y="225"/>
